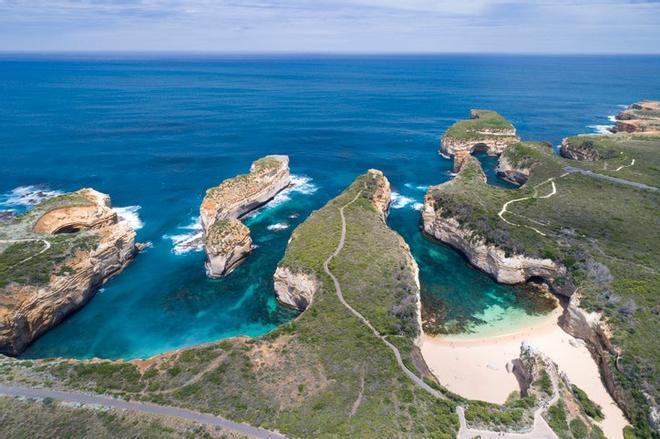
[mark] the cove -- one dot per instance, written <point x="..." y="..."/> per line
<point x="155" y="133"/>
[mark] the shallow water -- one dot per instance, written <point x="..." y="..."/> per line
<point x="156" y="133"/>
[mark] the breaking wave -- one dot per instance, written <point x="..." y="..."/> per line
<point x="189" y="240"/>
<point x="26" y="196"/>
<point x="278" y="226"/>
<point x="400" y="201"/>
<point x="129" y="215"/>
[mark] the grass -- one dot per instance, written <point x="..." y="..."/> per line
<point x="304" y="377"/>
<point x="591" y="409"/>
<point x="470" y="129"/>
<point x="48" y="418"/>
<point x="605" y="234"/>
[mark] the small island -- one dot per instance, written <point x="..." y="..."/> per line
<point x="53" y="259"/>
<point x="226" y="240"/>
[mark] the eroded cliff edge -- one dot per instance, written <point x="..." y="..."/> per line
<point x="226" y="240"/>
<point x="53" y="260"/>
<point x="485" y="131"/>
<point x="567" y="225"/>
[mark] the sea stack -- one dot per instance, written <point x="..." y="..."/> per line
<point x="486" y="131"/>
<point x="59" y="254"/>
<point x="226" y="240"/>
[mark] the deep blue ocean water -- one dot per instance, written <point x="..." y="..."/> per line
<point x="156" y="132"/>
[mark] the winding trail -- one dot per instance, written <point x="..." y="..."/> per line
<point x="13" y="241"/>
<point x="144" y="407"/>
<point x="506" y="205"/>
<point x="625" y="166"/>
<point x="415" y="379"/>
<point x="540" y="428"/>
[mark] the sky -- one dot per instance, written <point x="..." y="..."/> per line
<point x="332" y="26"/>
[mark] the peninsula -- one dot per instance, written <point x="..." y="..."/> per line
<point x="53" y="259"/>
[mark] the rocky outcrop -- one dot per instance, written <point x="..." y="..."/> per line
<point x="640" y="117"/>
<point x="583" y="152"/>
<point x="485" y="131"/>
<point x="295" y="289"/>
<point x="28" y="310"/>
<point x="505" y="269"/>
<point x="227" y="244"/>
<point x="381" y="195"/>
<point x="238" y="196"/>
<point x="226" y="240"/>
<point x="514" y="174"/>
<point x="71" y="219"/>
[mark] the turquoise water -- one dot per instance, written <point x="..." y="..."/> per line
<point x="155" y="133"/>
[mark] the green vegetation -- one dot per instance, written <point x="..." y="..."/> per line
<point x="48" y="418"/>
<point x="304" y="377"/>
<point x="514" y="414"/>
<point x="606" y="234"/>
<point x="589" y="407"/>
<point x="557" y="419"/>
<point x="486" y="121"/>
<point x="544" y="383"/>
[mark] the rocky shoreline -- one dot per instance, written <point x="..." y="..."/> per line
<point x="226" y="240"/>
<point x="103" y="246"/>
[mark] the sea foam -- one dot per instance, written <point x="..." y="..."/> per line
<point x="189" y="238"/>
<point x="27" y="196"/>
<point x="400" y="201"/>
<point x="129" y="215"/>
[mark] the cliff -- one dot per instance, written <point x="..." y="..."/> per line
<point x="640" y="117"/>
<point x="485" y="131"/>
<point x="508" y="269"/>
<point x="227" y="243"/>
<point x="226" y="240"/>
<point x="56" y="257"/>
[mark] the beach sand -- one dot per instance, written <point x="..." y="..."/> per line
<point x="476" y="367"/>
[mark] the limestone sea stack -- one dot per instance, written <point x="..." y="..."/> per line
<point x="226" y="240"/>
<point x="640" y="117"/>
<point x="55" y="257"/>
<point x="485" y="131"/>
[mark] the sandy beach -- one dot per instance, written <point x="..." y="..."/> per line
<point x="476" y="367"/>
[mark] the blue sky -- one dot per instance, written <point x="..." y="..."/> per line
<point x="379" y="26"/>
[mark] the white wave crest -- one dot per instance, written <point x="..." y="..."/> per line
<point x="400" y="201"/>
<point x="601" y="129"/>
<point x="300" y="184"/>
<point x="419" y="187"/>
<point x="611" y="118"/>
<point x="129" y="215"/>
<point x="26" y="196"/>
<point x="277" y="227"/>
<point x="418" y="206"/>
<point x="187" y="242"/>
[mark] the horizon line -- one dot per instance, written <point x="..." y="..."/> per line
<point x="129" y="52"/>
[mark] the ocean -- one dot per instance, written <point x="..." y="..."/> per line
<point x="155" y="132"/>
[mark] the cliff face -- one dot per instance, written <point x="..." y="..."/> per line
<point x="295" y="289"/>
<point x="505" y="269"/>
<point x="30" y="309"/>
<point x="582" y="153"/>
<point x="515" y="174"/>
<point x="640" y="117"/>
<point x="237" y="196"/>
<point x="227" y="242"/>
<point x="485" y="131"/>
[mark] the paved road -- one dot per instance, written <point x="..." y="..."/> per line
<point x="418" y="381"/>
<point x="189" y="415"/>
<point x="612" y="179"/>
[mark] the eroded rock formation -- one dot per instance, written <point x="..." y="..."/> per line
<point x="226" y="240"/>
<point x="485" y="131"/>
<point x="640" y="117"/>
<point x="96" y="246"/>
